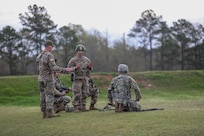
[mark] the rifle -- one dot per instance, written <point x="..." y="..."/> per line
<point x="67" y="90"/>
<point x="109" y="105"/>
<point x="151" y="109"/>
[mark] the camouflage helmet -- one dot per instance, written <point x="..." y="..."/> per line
<point x="80" y="47"/>
<point x="49" y="42"/>
<point x="123" y="68"/>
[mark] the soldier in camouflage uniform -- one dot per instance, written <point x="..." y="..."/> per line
<point x="47" y="66"/>
<point x="119" y="91"/>
<point x="80" y="78"/>
<point x="61" y="102"/>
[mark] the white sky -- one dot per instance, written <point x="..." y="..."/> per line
<point x="115" y="16"/>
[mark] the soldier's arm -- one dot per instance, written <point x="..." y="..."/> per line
<point x="54" y="67"/>
<point x="110" y="89"/>
<point x="58" y="93"/>
<point x="136" y="88"/>
<point x="71" y="63"/>
<point x="90" y="64"/>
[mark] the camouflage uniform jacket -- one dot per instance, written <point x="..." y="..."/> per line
<point x="120" y="88"/>
<point x="47" y="66"/>
<point x="83" y="70"/>
<point x="58" y="83"/>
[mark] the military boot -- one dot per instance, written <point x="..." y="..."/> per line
<point x="50" y="114"/>
<point x="116" y="107"/>
<point x="44" y="114"/>
<point x="55" y="107"/>
<point x="83" y="108"/>
<point x="119" y="107"/>
<point x="92" y="107"/>
<point x="60" y="108"/>
<point x="76" y="108"/>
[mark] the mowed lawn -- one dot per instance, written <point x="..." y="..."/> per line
<point x="180" y="118"/>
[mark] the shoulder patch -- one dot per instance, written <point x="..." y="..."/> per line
<point x="52" y="60"/>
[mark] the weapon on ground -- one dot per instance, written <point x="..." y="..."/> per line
<point x="108" y="107"/>
<point x="151" y="109"/>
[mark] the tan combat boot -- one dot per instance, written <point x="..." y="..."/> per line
<point x="50" y="114"/>
<point x="60" y="108"/>
<point x="44" y="114"/>
<point x="55" y="107"/>
<point x="119" y="107"/>
<point x="76" y="108"/>
<point x="116" y="107"/>
<point x="92" y="107"/>
<point x="83" y="108"/>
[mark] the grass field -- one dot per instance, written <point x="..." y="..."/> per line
<point x="180" y="93"/>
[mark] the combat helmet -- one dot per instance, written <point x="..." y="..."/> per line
<point x="123" y="68"/>
<point x="80" y="47"/>
<point x="49" y="42"/>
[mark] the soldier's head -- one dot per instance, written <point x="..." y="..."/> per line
<point x="48" y="45"/>
<point x="49" y="42"/>
<point x="57" y="73"/>
<point x="80" y="47"/>
<point x="123" y="68"/>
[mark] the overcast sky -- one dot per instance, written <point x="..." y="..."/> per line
<point x="115" y="16"/>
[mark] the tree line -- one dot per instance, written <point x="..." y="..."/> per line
<point x="150" y="45"/>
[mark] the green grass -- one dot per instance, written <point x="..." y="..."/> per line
<point x="180" y="118"/>
<point x="181" y="93"/>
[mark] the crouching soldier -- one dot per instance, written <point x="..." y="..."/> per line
<point x="119" y="91"/>
<point x="93" y="93"/>
<point x="61" y="100"/>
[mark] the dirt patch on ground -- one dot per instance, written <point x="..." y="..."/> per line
<point x="144" y="83"/>
<point x="105" y="77"/>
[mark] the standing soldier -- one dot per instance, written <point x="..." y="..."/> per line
<point x="119" y="91"/>
<point x="47" y="66"/>
<point x="80" y="78"/>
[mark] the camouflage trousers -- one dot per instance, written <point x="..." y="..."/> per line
<point x="80" y="90"/>
<point x="46" y="95"/>
<point x="93" y="93"/>
<point x="126" y="105"/>
<point x="62" y="99"/>
<point x="132" y="106"/>
<point x="42" y="96"/>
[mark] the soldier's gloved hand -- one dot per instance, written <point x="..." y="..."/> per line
<point x="90" y="65"/>
<point x="68" y="69"/>
<point x="63" y="93"/>
<point x="70" y="89"/>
